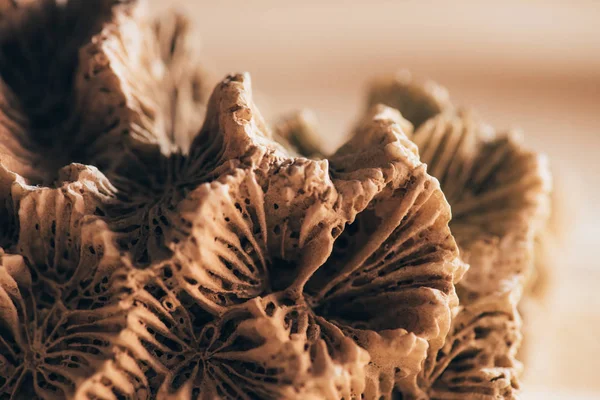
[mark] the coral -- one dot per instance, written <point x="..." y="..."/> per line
<point x="499" y="193"/>
<point x="159" y="240"/>
<point x="159" y="243"/>
<point x="277" y="266"/>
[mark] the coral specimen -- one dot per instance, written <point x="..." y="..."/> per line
<point x="276" y="266"/>
<point x="499" y="194"/>
<point x="195" y="256"/>
<point x="158" y="242"/>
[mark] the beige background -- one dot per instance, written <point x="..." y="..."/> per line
<point x="529" y="64"/>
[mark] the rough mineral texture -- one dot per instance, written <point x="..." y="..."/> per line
<point x="158" y="243"/>
<point x="158" y="240"/>
<point x="499" y="194"/>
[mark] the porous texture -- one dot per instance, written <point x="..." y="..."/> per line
<point x="499" y="195"/>
<point x="158" y="243"/>
<point x="278" y="269"/>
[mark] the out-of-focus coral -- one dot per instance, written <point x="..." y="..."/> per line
<point x="300" y="132"/>
<point x="161" y="244"/>
<point x="40" y="41"/>
<point x="499" y="194"/>
<point x="478" y="358"/>
<point x="417" y="102"/>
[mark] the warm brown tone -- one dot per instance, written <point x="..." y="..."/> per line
<point x="499" y="194"/>
<point x="158" y="243"/>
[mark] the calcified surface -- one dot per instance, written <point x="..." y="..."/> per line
<point x="160" y="241"/>
<point x="157" y="243"/>
<point x="499" y="194"/>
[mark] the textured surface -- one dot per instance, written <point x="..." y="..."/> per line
<point x="166" y="246"/>
<point x="500" y="198"/>
<point x="533" y="65"/>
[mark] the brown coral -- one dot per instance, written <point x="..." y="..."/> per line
<point x="416" y="102"/>
<point x="58" y="313"/>
<point x="499" y="194"/>
<point x="158" y="243"/>
<point x="198" y="257"/>
<point x="299" y="132"/>
<point x="39" y="46"/>
<point x="253" y="248"/>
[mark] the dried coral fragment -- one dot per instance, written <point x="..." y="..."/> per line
<point x="199" y="257"/>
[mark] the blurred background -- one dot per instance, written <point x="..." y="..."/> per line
<point x="531" y="64"/>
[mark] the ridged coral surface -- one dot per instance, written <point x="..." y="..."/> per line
<point x="160" y="242"/>
<point x="499" y="193"/>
